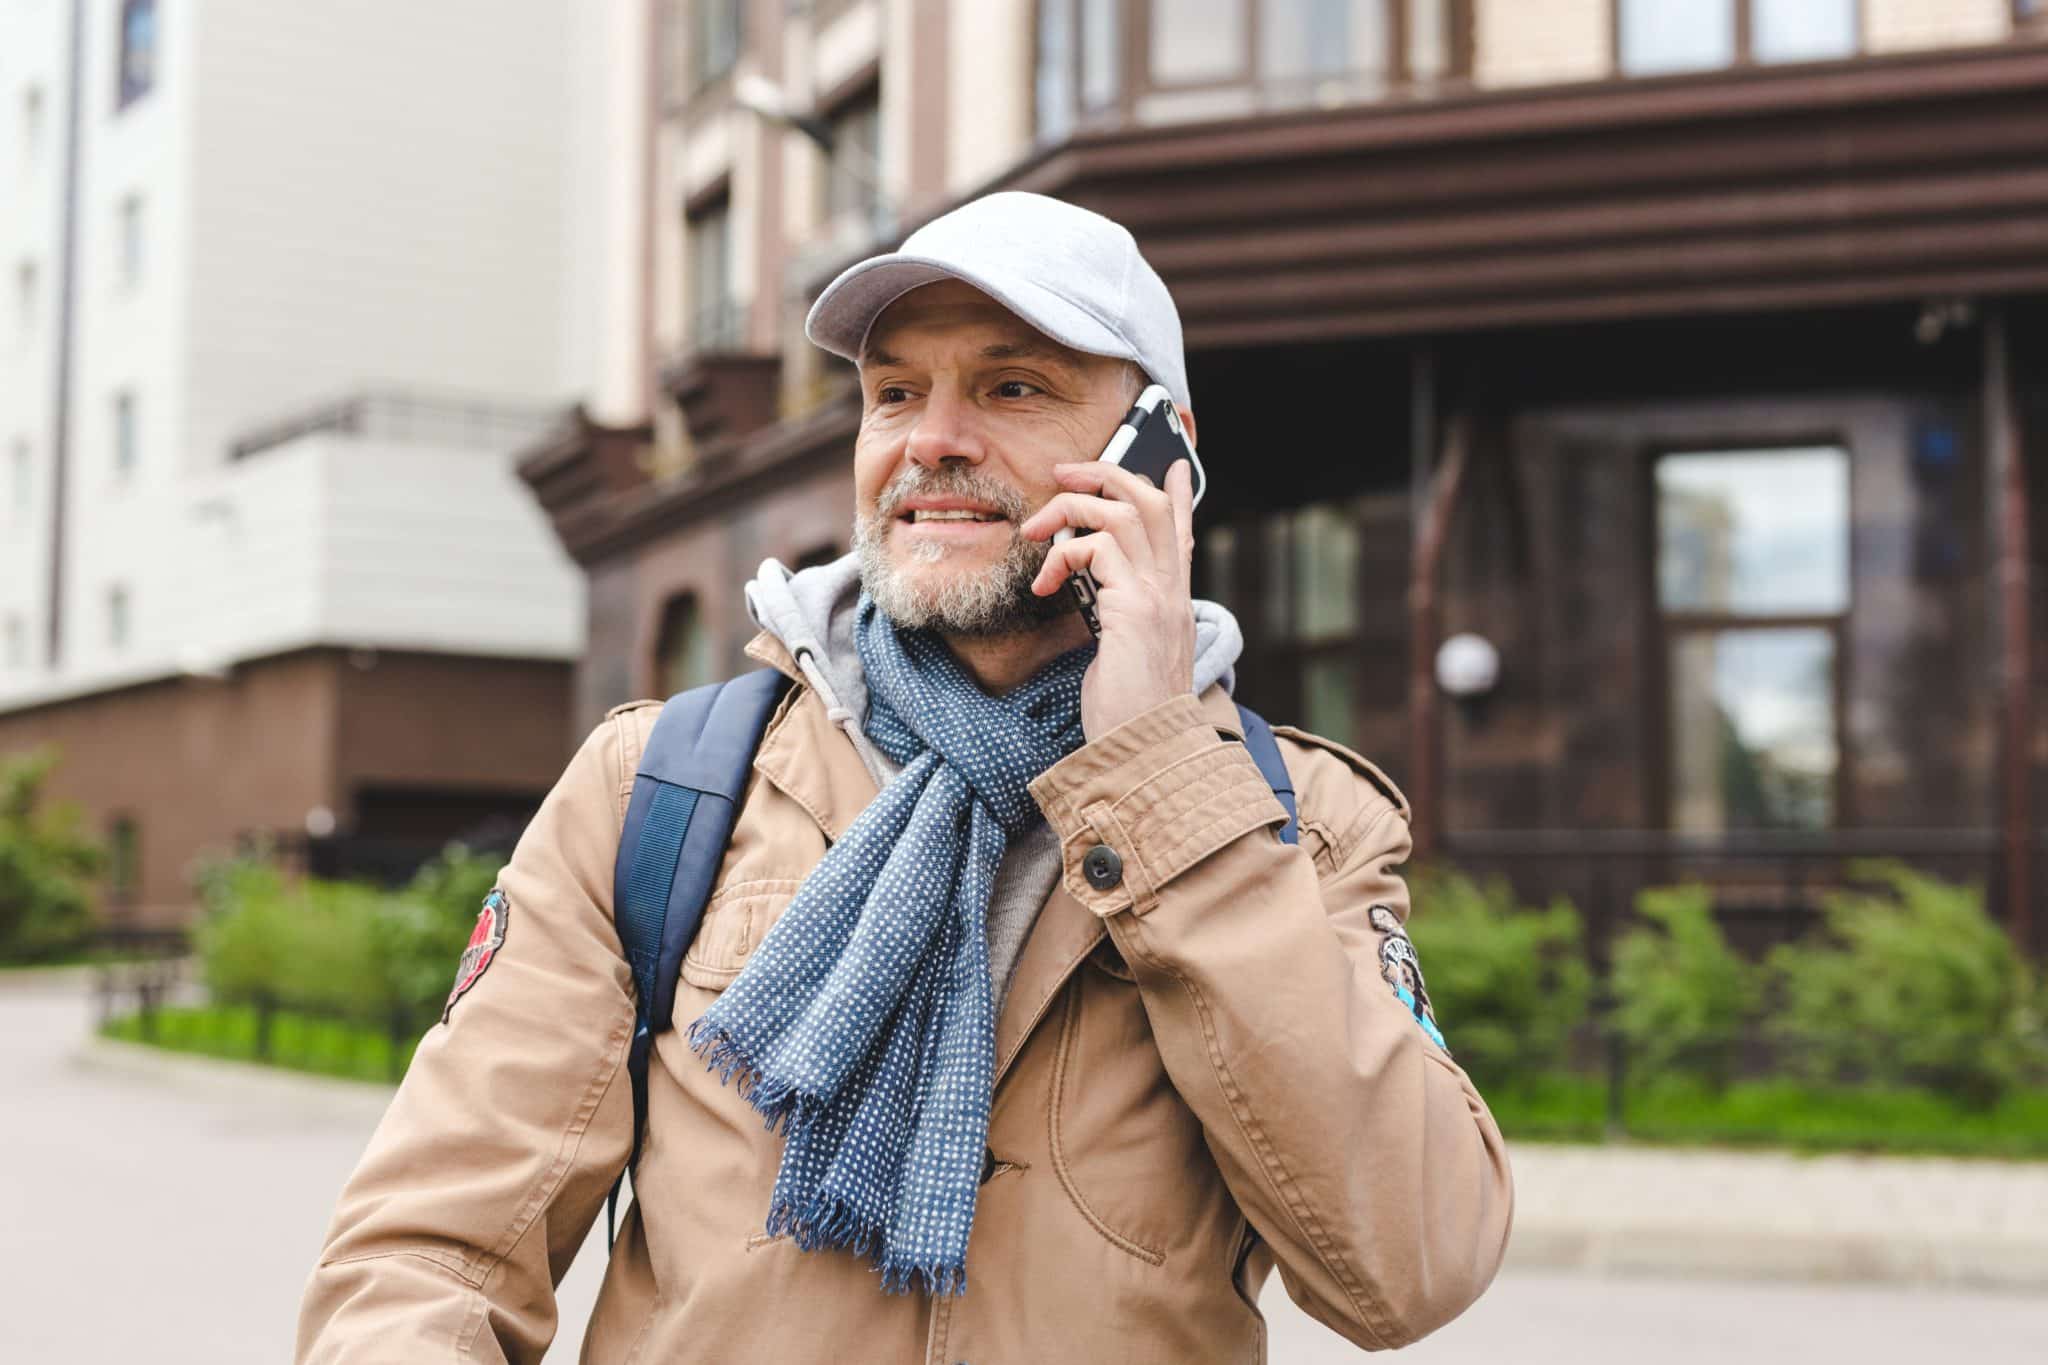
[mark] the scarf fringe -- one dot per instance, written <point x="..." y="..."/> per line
<point x="829" y="1224"/>
<point x="783" y="1107"/>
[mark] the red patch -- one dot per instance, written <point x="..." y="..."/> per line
<point x="484" y="942"/>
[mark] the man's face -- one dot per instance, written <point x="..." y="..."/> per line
<point x="965" y="409"/>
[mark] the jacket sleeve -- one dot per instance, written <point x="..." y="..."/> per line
<point x="514" y="1118"/>
<point x="1356" y="1147"/>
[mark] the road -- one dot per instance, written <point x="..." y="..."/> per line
<point x="171" y="1214"/>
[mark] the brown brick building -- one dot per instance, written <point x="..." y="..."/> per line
<point x="1687" y="353"/>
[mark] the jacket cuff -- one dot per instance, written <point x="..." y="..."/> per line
<point x="1161" y="792"/>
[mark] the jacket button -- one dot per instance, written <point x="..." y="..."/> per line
<point x="1102" y="867"/>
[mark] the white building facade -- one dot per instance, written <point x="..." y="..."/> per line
<point x="286" y="288"/>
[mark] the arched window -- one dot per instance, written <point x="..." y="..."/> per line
<point x="682" y="657"/>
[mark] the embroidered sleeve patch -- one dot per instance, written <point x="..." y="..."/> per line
<point x="1402" y="970"/>
<point x="484" y="942"/>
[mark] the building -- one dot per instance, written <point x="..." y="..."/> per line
<point x="1686" y="351"/>
<point x="285" y="291"/>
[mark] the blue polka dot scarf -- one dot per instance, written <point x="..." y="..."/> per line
<point x="863" y="1024"/>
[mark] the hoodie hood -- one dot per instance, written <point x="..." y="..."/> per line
<point x="812" y="613"/>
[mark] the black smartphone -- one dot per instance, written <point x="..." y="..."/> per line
<point x="1147" y="441"/>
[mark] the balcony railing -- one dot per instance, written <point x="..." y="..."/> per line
<point x="395" y="415"/>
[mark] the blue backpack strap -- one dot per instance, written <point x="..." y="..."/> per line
<point x="1265" y="751"/>
<point x="686" y="793"/>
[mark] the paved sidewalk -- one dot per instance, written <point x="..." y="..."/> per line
<point x="1776" y="1216"/>
<point x="203" y="1188"/>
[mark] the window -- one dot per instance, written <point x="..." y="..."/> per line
<point x="713" y="313"/>
<point x="853" y="168"/>
<point x="124" y="859"/>
<point x="1293" y="579"/>
<point x="126" y="452"/>
<point x="117" y="617"/>
<point x="1195" y="41"/>
<point x="18" y="480"/>
<point x="1753" y="586"/>
<point x="1802" y="30"/>
<point x="1158" y="60"/>
<point x="714" y="39"/>
<point x="129" y="237"/>
<point x="27" y="292"/>
<point x="17" y="643"/>
<point x="138" y="51"/>
<point x="1659" y="36"/>
<point x="31" y="124"/>
<point x="682" y="657"/>
<point x="1324" y="39"/>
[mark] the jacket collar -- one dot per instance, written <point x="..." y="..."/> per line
<point x="812" y="762"/>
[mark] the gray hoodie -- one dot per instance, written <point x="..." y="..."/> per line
<point x="812" y="614"/>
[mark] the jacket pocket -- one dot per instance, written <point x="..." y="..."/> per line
<point x="1067" y="1152"/>
<point x="738" y="915"/>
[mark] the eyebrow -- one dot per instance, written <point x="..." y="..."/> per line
<point x="1022" y="350"/>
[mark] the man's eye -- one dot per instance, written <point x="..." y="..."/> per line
<point x="892" y="393"/>
<point x="1004" y="389"/>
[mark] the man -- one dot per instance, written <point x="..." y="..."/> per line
<point x="1053" y="1031"/>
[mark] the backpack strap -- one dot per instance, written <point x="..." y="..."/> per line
<point x="1265" y="751"/>
<point x="686" y="793"/>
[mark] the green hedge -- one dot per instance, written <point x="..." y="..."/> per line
<point x="341" y="950"/>
<point x="1912" y="984"/>
<point x="1508" y="984"/>
<point x="1683" y="999"/>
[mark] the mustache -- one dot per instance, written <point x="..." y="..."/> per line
<point x="919" y="481"/>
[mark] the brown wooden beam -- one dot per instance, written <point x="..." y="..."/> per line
<point x="2006" y="446"/>
<point x="1425" y="626"/>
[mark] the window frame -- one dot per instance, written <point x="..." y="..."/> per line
<point x="1278" y="657"/>
<point x="1665" y="628"/>
<point x="1744" y="57"/>
<point x="1134" y="82"/>
<point x="863" y="91"/>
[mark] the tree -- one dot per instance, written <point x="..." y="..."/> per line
<point x="47" y="865"/>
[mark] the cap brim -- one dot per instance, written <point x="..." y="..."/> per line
<point x="845" y="313"/>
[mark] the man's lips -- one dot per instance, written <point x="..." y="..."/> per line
<point x="981" y="512"/>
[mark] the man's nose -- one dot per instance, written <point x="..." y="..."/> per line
<point x="947" y="429"/>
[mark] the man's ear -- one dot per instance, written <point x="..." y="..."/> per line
<point x="1187" y="419"/>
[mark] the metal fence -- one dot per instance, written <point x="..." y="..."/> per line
<point x="1767" y="885"/>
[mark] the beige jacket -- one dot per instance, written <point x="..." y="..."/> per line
<point x="1200" y="1074"/>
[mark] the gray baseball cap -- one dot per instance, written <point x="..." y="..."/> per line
<point x="1071" y="273"/>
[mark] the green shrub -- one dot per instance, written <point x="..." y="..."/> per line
<point x="1681" y="995"/>
<point x="46" y="865"/>
<point x="457" y="881"/>
<point x="342" y="950"/>
<point x="1508" y="984"/>
<point x="1913" y="984"/>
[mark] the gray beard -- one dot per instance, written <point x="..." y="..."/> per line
<point x="995" y="602"/>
